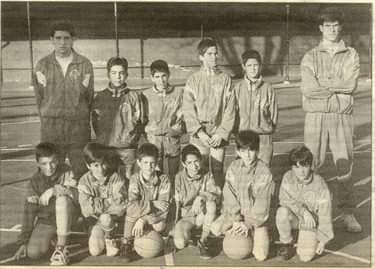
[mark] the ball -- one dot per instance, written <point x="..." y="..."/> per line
<point x="237" y="247"/>
<point x="149" y="245"/>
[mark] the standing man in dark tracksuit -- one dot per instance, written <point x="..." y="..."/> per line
<point x="64" y="87"/>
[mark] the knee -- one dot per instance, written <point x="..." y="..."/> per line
<point x="306" y="257"/>
<point x="210" y="208"/>
<point x="105" y="220"/>
<point x="180" y="242"/>
<point x="94" y="249"/>
<point x="63" y="202"/>
<point x="159" y="227"/>
<point x="282" y="214"/>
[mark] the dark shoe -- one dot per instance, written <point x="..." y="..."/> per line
<point x="204" y="251"/>
<point x="126" y="251"/>
<point x="286" y="251"/>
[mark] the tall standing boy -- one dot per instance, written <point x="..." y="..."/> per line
<point x="256" y="104"/>
<point x="164" y="118"/>
<point x="329" y="75"/>
<point x="64" y="88"/>
<point x="209" y="108"/>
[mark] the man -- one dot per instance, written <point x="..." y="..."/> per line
<point x="329" y="74"/>
<point x="63" y="82"/>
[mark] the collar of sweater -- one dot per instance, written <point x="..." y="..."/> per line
<point x="191" y="179"/>
<point x="337" y="47"/>
<point x="163" y="93"/>
<point x="256" y="82"/>
<point x="118" y="91"/>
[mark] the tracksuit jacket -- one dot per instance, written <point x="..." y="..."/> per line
<point x="164" y="118"/>
<point x="314" y="197"/>
<point x="208" y="103"/>
<point x="328" y="82"/>
<point x="247" y="192"/>
<point x="96" y="198"/>
<point x="187" y="189"/>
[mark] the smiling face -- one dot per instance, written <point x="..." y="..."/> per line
<point x="302" y="172"/>
<point x="331" y="31"/>
<point x="117" y="75"/>
<point x="63" y="43"/>
<point x="251" y="68"/>
<point x="209" y="58"/>
<point x="160" y="80"/>
<point x="47" y="165"/>
<point x="192" y="165"/>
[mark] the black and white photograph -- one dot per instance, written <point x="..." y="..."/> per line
<point x="192" y="133"/>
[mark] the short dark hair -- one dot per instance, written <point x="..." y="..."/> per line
<point x="300" y="155"/>
<point x="251" y="54"/>
<point x="331" y="14"/>
<point x="94" y="152"/>
<point x="147" y="150"/>
<point x="62" y="26"/>
<point x="117" y="61"/>
<point x="247" y="139"/>
<point x="159" y="66"/>
<point x="46" y="149"/>
<point x="205" y="44"/>
<point x="190" y="150"/>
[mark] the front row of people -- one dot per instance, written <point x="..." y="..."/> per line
<point x="107" y="201"/>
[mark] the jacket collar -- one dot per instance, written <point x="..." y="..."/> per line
<point x="152" y="182"/>
<point x="118" y="91"/>
<point x="210" y="72"/>
<point x="163" y="93"/>
<point x="257" y="83"/>
<point x="341" y="47"/>
<point x="76" y="58"/>
<point x="191" y="179"/>
<point x="311" y="178"/>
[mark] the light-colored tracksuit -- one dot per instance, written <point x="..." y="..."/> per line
<point x="328" y="81"/>
<point x="209" y="104"/>
<point x="257" y="110"/>
<point x="164" y="125"/>
<point x="295" y="198"/>
<point x="247" y="197"/>
<point x="64" y="105"/>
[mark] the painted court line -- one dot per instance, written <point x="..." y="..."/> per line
<point x="363" y="181"/>
<point x="342" y="254"/>
<point x="19" y="122"/>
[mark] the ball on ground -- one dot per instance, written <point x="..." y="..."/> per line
<point x="149" y="245"/>
<point x="237" y="247"/>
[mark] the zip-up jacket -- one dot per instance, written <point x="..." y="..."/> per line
<point x="247" y="192"/>
<point x="208" y="103"/>
<point x="328" y="82"/>
<point x="256" y="106"/>
<point x="68" y="96"/>
<point x="314" y="197"/>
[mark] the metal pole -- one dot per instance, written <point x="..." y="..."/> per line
<point x="370" y="49"/>
<point x="202" y="31"/>
<point x="286" y="77"/>
<point x="142" y="58"/>
<point x="116" y="28"/>
<point x="30" y="40"/>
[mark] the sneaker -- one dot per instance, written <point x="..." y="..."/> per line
<point x="351" y="224"/>
<point x="203" y="251"/>
<point x="60" y="256"/>
<point x="126" y="252"/>
<point x="111" y="247"/>
<point x="286" y="251"/>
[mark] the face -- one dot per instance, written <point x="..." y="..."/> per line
<point x="98" y="169"/>
<point x="48" y="165"/>
<point x="117" y="75"/>
<point x="302" y="172"/>
<point x="209" y="58"/>
<point x="192" y="165"/>
<point x="63" y="43"/>
<point x="147" y="165"/>
<point x="160" y="80"/>
<point x="251" y="68"/>
<point x="248" y="156"/>
<point x="331" y="31"/>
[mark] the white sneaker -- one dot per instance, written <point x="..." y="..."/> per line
<point x="351" y="224"/>
<point x="111" y="247"/>
<point x="60" y="256"/>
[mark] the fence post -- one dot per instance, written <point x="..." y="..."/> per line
<point x="286" y="75"/>
<point x="116" y="28"/>
<point x="30" y="41"/>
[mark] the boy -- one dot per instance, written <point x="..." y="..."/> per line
<point x="103" y="198"/>
<point x="197" y="197"/>
<point x="247" y="195"/>
<point x="118" y="114"/>
<point x="329" y="76"/>
<point x="305" y="203"/>
<point x="51" y="207"/>
<point x="64" y="88"/>
<point x="149" y="195"/>
<point x="256" y="104"/>
<point x="164" y="118"/>
<point x="209" y="108"/>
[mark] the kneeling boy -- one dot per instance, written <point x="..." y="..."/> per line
<point x="305" y="204"/>
<point x="247" y="195"/>
<point x="197" y="197"/>
<point x="102" y="196"/>
<point x="51" y="207"/>
<point x="149" y="195"/>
